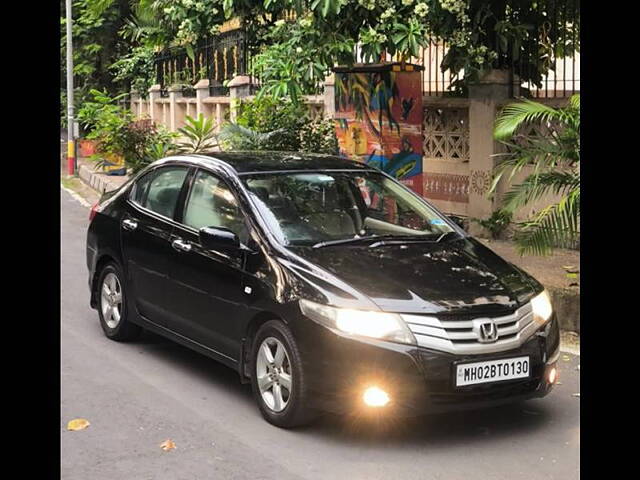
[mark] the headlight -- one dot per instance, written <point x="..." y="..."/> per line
<point x="541" y="306"/>
<point x="386" y="326"/>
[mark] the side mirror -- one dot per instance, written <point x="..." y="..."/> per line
<point x="215" y="238"/>
<point x="458" y="221"/>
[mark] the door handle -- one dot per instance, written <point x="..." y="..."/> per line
<point x="181" y="245"/>
<point x="129" y="224"/>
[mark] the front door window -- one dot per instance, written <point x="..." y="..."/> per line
<point x="212" y="204"/>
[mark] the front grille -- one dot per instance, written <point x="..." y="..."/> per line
<point x="452" y="335"/>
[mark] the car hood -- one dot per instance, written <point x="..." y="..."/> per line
<point x="461" y="275"/>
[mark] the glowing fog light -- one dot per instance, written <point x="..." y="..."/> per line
<point x="553" y="375"/>
<point x="375" y="397"/>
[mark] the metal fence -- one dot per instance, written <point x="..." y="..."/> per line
<point x="217" y="59"/>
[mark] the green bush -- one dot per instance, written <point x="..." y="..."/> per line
<point x="199" y="133"/>
<point x="497" y="223"/>
<point x="319" y="136"/>
<point x="100" y="111"/>
<point x="265" y="123"/>
<point x="266" y="114"/>
<point x="118" y="132"/>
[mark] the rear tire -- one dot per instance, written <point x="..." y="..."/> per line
<point x="112" y="305"/>
<point x="277" y="377"/>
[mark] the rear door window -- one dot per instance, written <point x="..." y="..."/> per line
<point x="159" y="190"/>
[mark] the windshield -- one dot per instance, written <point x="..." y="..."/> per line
<point x="307" y="208"/>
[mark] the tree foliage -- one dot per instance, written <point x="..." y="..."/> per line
<point x="96" y="42"/>
<point x="298" y="41"/>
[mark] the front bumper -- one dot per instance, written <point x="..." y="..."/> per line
<point x="418" y="380"/>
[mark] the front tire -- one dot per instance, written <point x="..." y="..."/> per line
<point x="112" y="306"/>
<point x="278" y="381"/>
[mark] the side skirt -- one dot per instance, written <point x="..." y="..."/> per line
<point x="187" y="342"/>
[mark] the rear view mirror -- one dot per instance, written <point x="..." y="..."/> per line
<point x="458" y="221"/>
<point x="215" y="238"/>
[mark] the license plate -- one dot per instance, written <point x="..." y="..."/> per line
<point x="492" y="371"/>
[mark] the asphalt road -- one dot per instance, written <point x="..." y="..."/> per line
<point x="137" y="395"/>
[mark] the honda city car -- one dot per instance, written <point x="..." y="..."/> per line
<point x="325" y="283"/>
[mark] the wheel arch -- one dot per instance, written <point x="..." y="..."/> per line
<point x="252" y="328"/>
<point x="103" y="260"/>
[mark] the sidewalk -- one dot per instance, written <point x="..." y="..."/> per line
<point x="558" y="272"/>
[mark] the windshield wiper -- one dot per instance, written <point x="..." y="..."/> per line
<point x="402" y="239"/>
<point x="343" y="241"/>
<point x="384" y="240"/>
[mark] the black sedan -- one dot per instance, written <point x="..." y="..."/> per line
<point x="325" y="283"/>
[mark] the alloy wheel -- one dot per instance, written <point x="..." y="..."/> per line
<point x="273" y="373"/>
<point x="111" y="300"/>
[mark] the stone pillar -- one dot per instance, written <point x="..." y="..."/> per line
<point x="329" y="96"/>
<point x="219" y="116"/>
<point x="134" y="105"/>
<point x="484" y="98"/>
<point x="239" y="87"/>
<point x="175" y="92"/>
<point x="154" y="108"/>
<point x="202" y="92"/>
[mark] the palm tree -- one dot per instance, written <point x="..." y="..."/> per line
<point x="555" y="158"/>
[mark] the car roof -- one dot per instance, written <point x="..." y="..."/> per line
<point x="255" y="162"/>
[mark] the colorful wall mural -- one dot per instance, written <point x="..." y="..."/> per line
<point x="378" y="118"/>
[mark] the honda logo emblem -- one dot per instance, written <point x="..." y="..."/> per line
<point x="486" y="330"/>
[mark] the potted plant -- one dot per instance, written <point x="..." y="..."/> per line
<point x="87" y="147"/>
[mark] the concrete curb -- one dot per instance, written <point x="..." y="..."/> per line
<point x="99" y="182"/>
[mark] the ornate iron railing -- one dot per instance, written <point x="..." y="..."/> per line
<point x="217" y="59"/>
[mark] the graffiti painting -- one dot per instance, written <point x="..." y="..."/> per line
<point x="379" y="118"/>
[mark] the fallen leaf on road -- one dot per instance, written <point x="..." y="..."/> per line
<point x="558" y="383"/>
<point x="78" y="424"/>
<point x="167" y="445"/>
<point x="566" y="358"/>
<point x="571" y="268"/>
<point x="575" y="395"/>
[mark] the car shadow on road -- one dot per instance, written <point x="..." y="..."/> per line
<point x="446" y="429"/>
<point x="439" y="430"/>
<point x="196" y="365"/>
